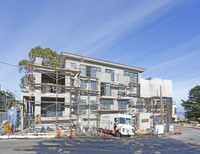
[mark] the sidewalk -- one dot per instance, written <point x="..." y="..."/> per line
<point x="25" y="137"/>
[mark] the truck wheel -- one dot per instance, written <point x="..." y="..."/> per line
<point x="118" y="134"/>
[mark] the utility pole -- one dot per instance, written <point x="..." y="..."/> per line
<point x="6" y="106"/>
<point x="161" y="105"/>
<point x="56" y="101"/>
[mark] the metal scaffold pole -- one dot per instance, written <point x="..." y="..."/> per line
<point x="161" y="105"/>
<point x="56" y="101"/>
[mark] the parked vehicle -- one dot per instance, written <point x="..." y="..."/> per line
<point x="117" y="124"/>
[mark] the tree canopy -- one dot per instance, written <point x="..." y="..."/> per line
<point x="192" y="105"/>
<point x="50" y="58"/>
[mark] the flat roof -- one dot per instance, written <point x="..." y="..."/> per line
<point x="64" y="55"/>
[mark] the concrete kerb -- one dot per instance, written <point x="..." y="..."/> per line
<point x="100" y="137"/>
<point x="25" y="137"/>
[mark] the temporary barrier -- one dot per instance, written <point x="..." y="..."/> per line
<point x="160" y="129"/>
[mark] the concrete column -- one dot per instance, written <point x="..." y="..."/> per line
<point x="37" y="105"/>
<point x="67" y="102"/>
<point x="115" y="104"/>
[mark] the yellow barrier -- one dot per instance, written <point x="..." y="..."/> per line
<point x="7" y="128"/>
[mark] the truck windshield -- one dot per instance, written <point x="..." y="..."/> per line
<point x="129" y="121"/>
<point x="122" y="120"/>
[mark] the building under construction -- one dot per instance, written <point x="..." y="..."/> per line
<point x="81" y="88"/>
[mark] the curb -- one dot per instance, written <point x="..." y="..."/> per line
<point x="188" y="127"/>
<point x="26" y="137"/>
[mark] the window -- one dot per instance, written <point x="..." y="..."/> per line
<point x="93" y="85"/>
<point x="139" y="106"/>
<point x="83" y="106"/>
<point x="105" y="89"/>
<point x="131" y="102"/>
<point x="83" y="85"/>
<point x="93" y="107"/>
<point x="133" y="76"/>
<point x="111" y="72"/>
<point x="93" y="71"/>
<point x="121" y="91"/>
<point x="73" y="65"/>
<point x="129" y="121"/>
<point x="122" y="120"/>
<point x="105" y="105"/>
<point x="131" y="88"/>
<point x="83" y="70"/>
<point x="126" y="73"/>
<point x="98" y="69"/>
<point x="89" y="71"/>
<point x="122" y="105"/>
<point x="49" y="109"/>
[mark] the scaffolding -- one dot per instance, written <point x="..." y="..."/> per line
<point x="69" y="81"/>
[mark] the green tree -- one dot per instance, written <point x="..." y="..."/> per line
<point x="50" y="58"/>
<point x="192" y="105"/>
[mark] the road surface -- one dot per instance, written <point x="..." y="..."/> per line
<point x="188" y="142"/>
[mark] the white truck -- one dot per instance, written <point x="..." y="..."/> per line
<point x="117" y="124"/>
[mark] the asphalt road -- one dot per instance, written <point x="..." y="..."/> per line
<point x="188" y="142"/>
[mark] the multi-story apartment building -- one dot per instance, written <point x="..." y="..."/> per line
<point x="82" y="88"/>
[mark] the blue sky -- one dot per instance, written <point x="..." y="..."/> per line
<point x="162" y="36"/>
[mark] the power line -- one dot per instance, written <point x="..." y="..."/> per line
<point x="9" y="64"/>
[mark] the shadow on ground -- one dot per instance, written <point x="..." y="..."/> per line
<point x="148" y="144"/>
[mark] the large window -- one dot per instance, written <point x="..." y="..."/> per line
<point x="83" y="106"/>
<point x="93" y="71"/>
<point x="105" y="89"/>
<point x="73" y="65"/>
<point x="111" y="72"/>
<point x="122" y="105"/>
<point x="139" y="106"/>
<point x="93" y="85"/>
<point x="89" y="71"/>
<point x="83" y="70"/>
<point x="121" y="91"/>
<point x="83" y="85"/>
<point x="49" y="109"/>
<point x="105" y="105"/>
<point x="93" y="107"/>
<point x="133" y="76"/>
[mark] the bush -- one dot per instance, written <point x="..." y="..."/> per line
<point x="194" y="122"/>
